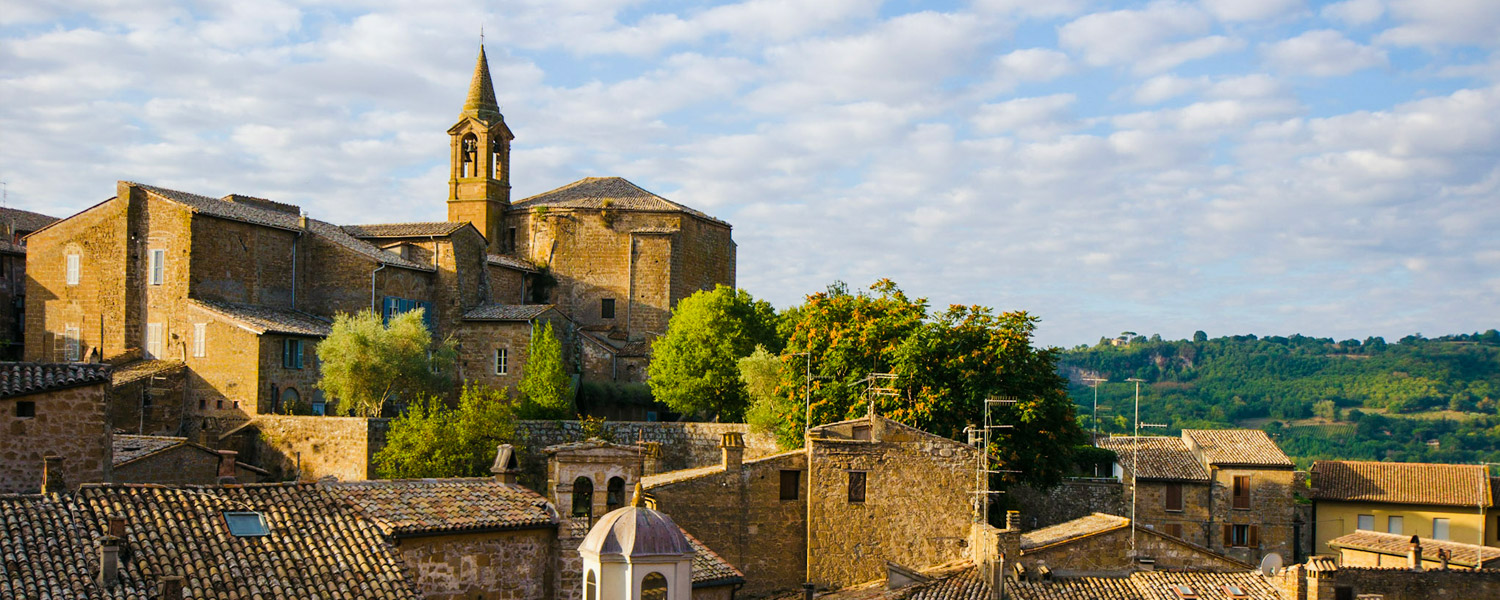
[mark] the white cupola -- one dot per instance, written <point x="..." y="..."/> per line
<point x="636" y="553"/>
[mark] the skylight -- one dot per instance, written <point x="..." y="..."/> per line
<point x="246" y="524"/>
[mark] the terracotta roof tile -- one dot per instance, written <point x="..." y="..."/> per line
<point x="21" y="379"/>
<point x="512" y="262"/>
<point x="1161" y="457"/>
<point x="1077" y="528"/>
<point x="1395" y="544"/>
<point x="710" y="569"/>
<point x="607" y="192"/>
<point x="425" y="506"/>
<point x="1237" y="447"/>
<point x="400" y="230"/>
<point x="24" y="220"/>
<point x="1151" y="585"/>
<point x="506" y="312"/>
<point x="1401" y="483"/>
<point x="267" y="319"/>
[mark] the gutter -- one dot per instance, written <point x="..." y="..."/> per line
<point x="373" y="308"/>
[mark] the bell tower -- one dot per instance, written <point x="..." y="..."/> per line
<point x="479" y="167"/>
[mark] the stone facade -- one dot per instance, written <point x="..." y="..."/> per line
<point x="683" y="445"/>
<point x="15" y="225"/>
<point x="68" y="423"/>
<point x="146" y="398"/>
<point x="341" y="447"/>
<point x="1272" y="514"/>
<point x="184" y="464"/>
<point x="1108" y="553"/>
<point x="502" y="565"/>
<point x="1072" y="499"/>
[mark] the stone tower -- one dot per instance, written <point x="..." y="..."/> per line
<point x="479" y="170"/>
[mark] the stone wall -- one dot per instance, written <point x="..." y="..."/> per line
<point x="164" y="414"/>
<point x="98" y="236"/>
<point x="1401" y="584"/>
<point x="1272" y="512"/>
<point x="683" y="445"/>
<point x="185" y="464"/>
<point x="739" y="513"/>
<point x="69" y="423"/>
<point x="505" y="565"/>
<point x="1108" y="553"/>
<point x="917" y="507"/>
<point x="338" y="446"/>
<point x="1072" y="499"/>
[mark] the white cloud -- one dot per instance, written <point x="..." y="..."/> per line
<point x="1323" y="53"/>
<point x="1165" y="87"/>
<point x="1251" y="10"/>
<point x="1148" y="38"/>
<point x="1031" y="64"/>
<point x="1451" y="22"/>
<point x="1354" y="12"/>
<point x="1038" y="117"/>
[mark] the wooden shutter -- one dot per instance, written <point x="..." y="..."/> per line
<point x="1254" y="537"/>
<point x="1242" y="491"/>
<point x="1228" y="535"/>
<point x="1174" y="496"/>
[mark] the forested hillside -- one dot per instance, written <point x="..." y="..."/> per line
<point x="1418" y="399"/>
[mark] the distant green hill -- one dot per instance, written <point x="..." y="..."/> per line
<point x="1419" y="399"/>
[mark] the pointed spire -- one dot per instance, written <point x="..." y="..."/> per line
<point x="481" y="102"/>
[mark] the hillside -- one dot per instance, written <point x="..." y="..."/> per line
<point x="1417" y="399"/>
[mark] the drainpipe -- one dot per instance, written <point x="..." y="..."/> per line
<point x="373" y="307"/>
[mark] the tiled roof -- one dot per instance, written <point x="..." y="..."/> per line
<point x="1161" y="457"/>
<point x="1156" y="585"/>
<point x="25" y="220"/>
<point x="589" y="444"/>
<point x="710" y="569"/>
<point x="20" y="379"/>
<point x="134" y="371"/>
<point x="1401" y="483"/>
<point x="506" y="312"/>
<point x="966" y="584"/>
<point x="607" y="192"/>
<point x="250" y="213"/>
<point x="1077" y="528"/>
<point x="131" y="447"/>
<point x="1395" y="544"/>
<point x="426" y="506"/>
<point x="400" y="230"/>
<point x="266" y="319"/>
<point x="512" y="262"/>
<point x="317" y="547"/>
<point x="1238" y="447"/>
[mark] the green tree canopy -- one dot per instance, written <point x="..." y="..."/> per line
<point x="546" y="389"/>
<point x="693" y="366"/>
<point x="366" y="364"/>
<point x="432" y="440"/>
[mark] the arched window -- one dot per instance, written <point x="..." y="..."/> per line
<point x="615" y="496"/>
<point x="291" y="400"/>
<point x="590" y="587"/>
<point x="654" y="587"/>
<point x="469" y="156"/>
<point x="496" y="156"/>
<point x="583" y="497"/>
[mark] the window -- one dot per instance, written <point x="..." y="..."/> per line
<point x="25" y="409"/>
<point x="1440" y="529"/>
<point x="1242" y="492"/>
<point x="654" y="587"/>
<point x="72" y="347"/>
<point x="1394" y="524"/>
<point x="291" y="353"/>
<point x="502" y="361"/>
<point x="1241" y="536"/>
<point x="614" y="495"/>
<point x="651" y="416"/>
<point x="200" y="339"/>
<point x="246" y="524"/>
<point x="607" y="308"/>
<point x="590" y="586"/>
<point x="73" y="268"/>
<point x="791" y="481"/>
<point x="862" y="433"/>
<point x="1174" y="530"/>
<point x="290" y="399"/>
<point x="158" y="266"/>
<point x="394" y="307"/>
<point x="1366" y="523"/>
<point x="153" y="340"/>
<point x="1343" y="593"/>
<point x="510" y="239"/>
<point x="856" y="486"/>
<point x="583" y="497"/>
<point x="1174" y="497"/>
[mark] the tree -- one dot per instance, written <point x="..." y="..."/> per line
<point x="366" y="364"/>
<point x="431" y="439"/>
<point x="1327" y="410"/>
<point x="760" y="372"/>
<point x="1199" y="336"/>
<point x="946" y="365"/>
<point x="694" y="366"/>
<point x="546" y="389"/>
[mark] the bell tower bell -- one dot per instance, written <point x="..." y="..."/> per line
<point x="479" y="169"/>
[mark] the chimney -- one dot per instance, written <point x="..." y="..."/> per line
<point x="733" y="443"/>
<point x="109" y="561"/>
<point x="1146" y="564"/>
<point x="117" y="525"/>
<point x="506" y="469"/>
<point x="652" y="464"/>
<point x="1443" y="557"/>
<point x="1414" y="555"/>
<point x="169" y="588"/>
<point x="52" y="481"/>
<point x="226" y="466"/>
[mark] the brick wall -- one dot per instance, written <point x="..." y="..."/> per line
<point x="69" y="423"/>
<point x="741" y="516"/>
<point x="917" y="507"/>
<point x="506" y="565"/>
<point x="1070" y="500"/>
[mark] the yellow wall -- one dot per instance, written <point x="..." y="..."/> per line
<point x="1336" y="519"/>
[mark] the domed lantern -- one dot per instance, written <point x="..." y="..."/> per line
<point x="636" y="553"/>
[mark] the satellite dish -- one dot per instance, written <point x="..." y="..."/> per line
<point x="1270" y="564"/>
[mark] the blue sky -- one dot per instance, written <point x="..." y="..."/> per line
<point x="1269" y="167"/>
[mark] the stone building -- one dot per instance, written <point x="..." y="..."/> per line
<point x="1102" y="545"/>
<point x="1376" y="549"/>
<point x="1229" y="490"/>
<point x="1437" y="501"/>
<point x="15" y="225"/>
<point x="53" y="433"/>
<point x="176" y="461"/>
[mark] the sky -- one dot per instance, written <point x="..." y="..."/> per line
<point x="1268" y="167"/>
